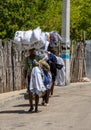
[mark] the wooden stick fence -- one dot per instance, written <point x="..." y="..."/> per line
<point x="78" y="62"/>
<point x="11" y="66"/>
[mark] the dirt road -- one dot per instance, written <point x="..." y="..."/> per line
<point x="69" y="109"/>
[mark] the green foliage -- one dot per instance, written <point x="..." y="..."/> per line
<point x="80" y="18"/>
<point x="25" y="15"/>
<point x="22" y="15"/>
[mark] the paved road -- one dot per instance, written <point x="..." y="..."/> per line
<point x="69" y="109"/>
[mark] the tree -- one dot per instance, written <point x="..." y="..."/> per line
<point x="22" y="15"/>
<point x="80" y="18"/>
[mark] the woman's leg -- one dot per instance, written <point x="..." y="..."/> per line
<point x="36" y="102"/>
<point x="52" y="87"/>
<point x="47" y="96"/>
<point x="44" y="98"/>
<point x="31" y="101"/>
<point x="28" y="78"/>
<point x="53" y="82"/>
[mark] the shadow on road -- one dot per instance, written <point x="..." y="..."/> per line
<point x="22" y="105"/>
<point x="13" y="111"/>
<point x="26" y="105"/>
<point x="17" y="111"/>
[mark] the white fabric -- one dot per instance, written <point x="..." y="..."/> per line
<point x="60" y="78"/>
<point x="36" y="82"/>
<point x="35" y="35"/>
<point x="26" y="40"/>
<point x="44" y="56"/>
<point x="22" y="39"/>
<point x="46" y="45"/>
<point x="30" y="36"/>
<point x="18" y="36"/>
<point x="27" y="36"/>
<point x="43" y="37"/>
<point x="47" y="35"/>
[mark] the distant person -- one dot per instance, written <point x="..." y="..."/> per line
<point x="60" y="77"/>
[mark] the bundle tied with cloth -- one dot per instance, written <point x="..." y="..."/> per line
<point x="29" y="39"/>
<point x="47" y="78"/>
<point x="37" y="84"/>
<point x="35" y="38"/>
<point x="44" y="65"/>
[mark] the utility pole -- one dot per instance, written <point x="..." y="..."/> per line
<point x="66" y="37"/>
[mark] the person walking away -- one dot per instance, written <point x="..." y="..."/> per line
<point x="60" y="77"/>
<point x="52" y="61"/>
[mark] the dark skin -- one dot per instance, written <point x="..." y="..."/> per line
<point x="46" y="97"/>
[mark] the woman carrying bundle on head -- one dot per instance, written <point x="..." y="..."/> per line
<point x="39" y="83"/>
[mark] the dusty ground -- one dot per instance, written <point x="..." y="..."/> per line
<point x="69" y="109"/>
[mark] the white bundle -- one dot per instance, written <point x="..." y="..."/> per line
<point x="35" y="35"/>
<point x="43" y="38"/>
<point x="27" y="36"/>
<point x="29" y="39"/>
<point x="35" y="39"/>
<point x="18" y="36"/>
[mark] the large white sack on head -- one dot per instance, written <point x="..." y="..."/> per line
<point x="27" y="36"/>
<point x="29" y="39"/>
<point x="21" y="39"/>
<point x="18" y="36"/>
<point x="23" y="36"/>
<point x="43" y="37"/>
<point x="35" y="35"/>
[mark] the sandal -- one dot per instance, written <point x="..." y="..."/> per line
<point x="31" y="109"/>
<point x="36" y="110"/>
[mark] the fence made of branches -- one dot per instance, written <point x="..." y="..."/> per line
<point x="78" y="62"/>
<point x="11" y="66"/>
